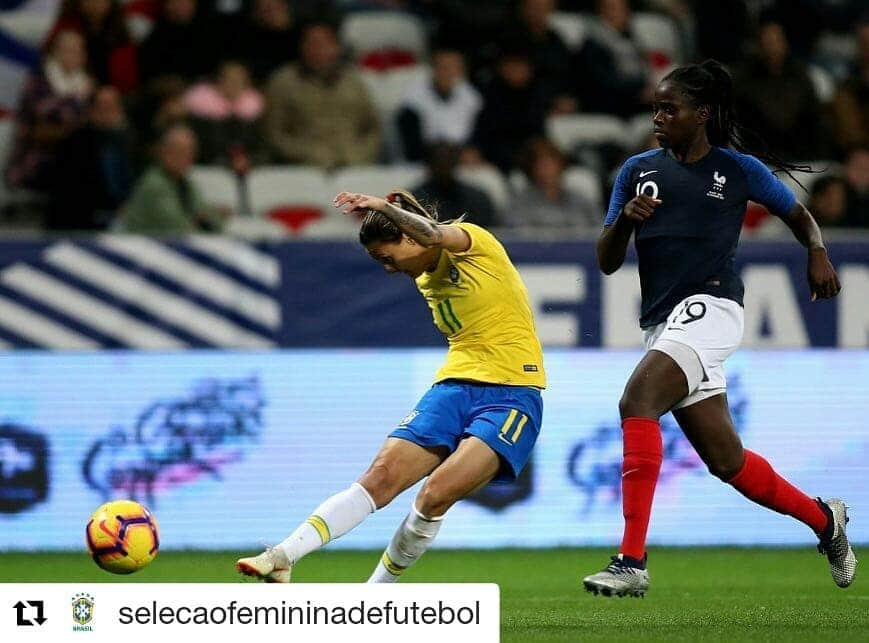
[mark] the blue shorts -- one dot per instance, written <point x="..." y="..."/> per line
<point x="507" y="418"/>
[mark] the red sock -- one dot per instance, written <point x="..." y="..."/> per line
<point x="643" y="451"/>
<point x="758" y="481"/>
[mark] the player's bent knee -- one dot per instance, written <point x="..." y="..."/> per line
<point x="724" y="470"/>
<point x="634" y="405"/>
<point x="381" y="483"/>
<point x="625" y="406"/>
<point x="435" y="498"/>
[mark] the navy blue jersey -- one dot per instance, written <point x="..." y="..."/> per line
<point x="688" y="245"/>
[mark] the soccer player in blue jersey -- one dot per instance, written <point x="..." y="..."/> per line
<point x="684" y="205"/>
<point x="480" y="419"/>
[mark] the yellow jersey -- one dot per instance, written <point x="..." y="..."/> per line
<point x="478" y="300"/>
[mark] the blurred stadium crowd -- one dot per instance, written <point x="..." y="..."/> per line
<point x="174" y="116"/>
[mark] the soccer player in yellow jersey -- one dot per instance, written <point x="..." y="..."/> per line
<point x="478" y="422"/>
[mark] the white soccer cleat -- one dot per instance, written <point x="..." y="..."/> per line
<point x="843" y="562"/>
<point x="272" y="566"/>
<point x="619" y="578"/>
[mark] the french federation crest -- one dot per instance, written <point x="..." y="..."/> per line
<point x="82" y="611"/>
<point x="718" y="181"/>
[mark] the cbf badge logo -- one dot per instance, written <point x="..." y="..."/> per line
<point x="454" y="274"/>
<point x="718" y="181"/>
<point x="82" y="612"/>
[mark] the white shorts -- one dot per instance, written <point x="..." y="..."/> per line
<point x="700" y="334"/>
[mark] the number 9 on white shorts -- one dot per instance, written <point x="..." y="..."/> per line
<point x="700" y="334"/>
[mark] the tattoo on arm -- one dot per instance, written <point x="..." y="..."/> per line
<point x="423" y="230"/>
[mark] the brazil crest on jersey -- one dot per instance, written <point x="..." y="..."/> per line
<point x="480" y="303"/>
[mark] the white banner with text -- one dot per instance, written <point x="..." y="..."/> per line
<point x="57" y="612"/>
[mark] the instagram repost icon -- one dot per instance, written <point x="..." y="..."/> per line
<point x="82" y="612"/>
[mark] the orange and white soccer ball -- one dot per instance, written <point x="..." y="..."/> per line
<point x="122" y="536"/>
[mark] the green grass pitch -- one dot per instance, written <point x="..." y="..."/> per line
<point x="728" y="594"/>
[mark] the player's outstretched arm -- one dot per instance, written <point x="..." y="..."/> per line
<point x="426" y="232"/>
<point x="823" y="280"/>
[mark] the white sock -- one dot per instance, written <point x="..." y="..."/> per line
<point x="335" y="517"/>
<point x="410" y="541"/>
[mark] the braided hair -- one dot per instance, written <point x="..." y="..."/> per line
<point x="709" y="83"/>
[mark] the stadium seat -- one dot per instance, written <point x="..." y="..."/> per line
<point x="7" y="126"/>
<point x="517" y="181"/>
<point x="334" y="226"/>
<point x="836" y="51"/>
<point x="585" y="182"/>
<point x="387" y="90"/>
<point x="841" y="45"/>
<point x="639" y="129"/>
<point x="218" y="186"/>
<point x="576" y="178"/>
<point x="490" y="181"/>
<point x="572" y="131"/>
<point x="570" y="27"/>
<point x="369" y="32"/>
<point x="824" y="83"/>
<point x="255" y="229"/>
<point x="657" y="35"/>
<point x="297" y="197"/>
<point x="377" y="179"/>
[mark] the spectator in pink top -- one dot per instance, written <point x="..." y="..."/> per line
<point x="225" y="113"/>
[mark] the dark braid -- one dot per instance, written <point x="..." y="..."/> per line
<point x="709" y="83"/>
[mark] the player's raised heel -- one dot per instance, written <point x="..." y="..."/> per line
<point x="622" y="577"/>
<point x="843" y="562"/>
<point x="271" y="566"/>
